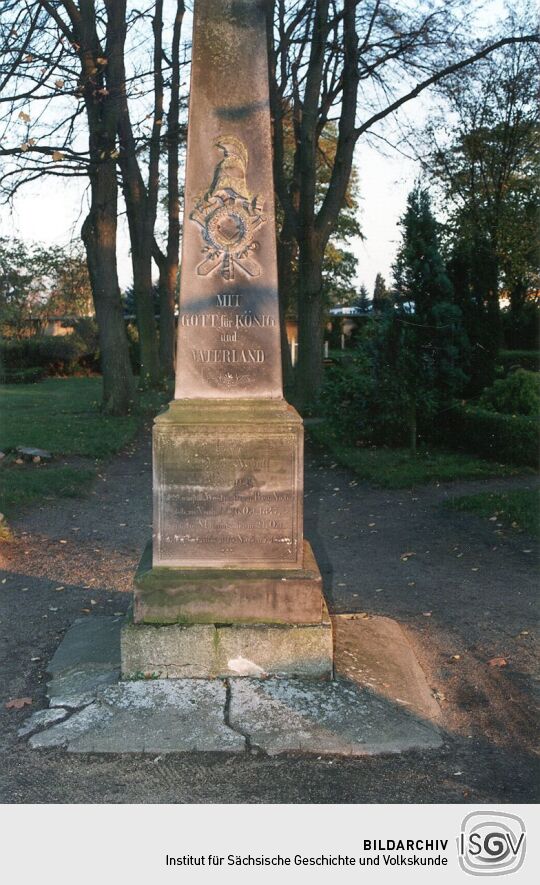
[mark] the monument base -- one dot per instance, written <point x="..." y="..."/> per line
<point x="213" y="623"/>
<point x="211" y="651"/>
<point x="168" y="595"/>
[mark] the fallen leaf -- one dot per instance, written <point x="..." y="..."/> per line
<point x="17" y="703"/>
<point x="497" y="662"/>
<point x="59" y="84"/>
<point x="57" y="156"/>
<point x="24" y="117"/>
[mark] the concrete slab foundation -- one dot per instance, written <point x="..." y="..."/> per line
<point x="336" y="718"/>
<point x="343" y="717"/>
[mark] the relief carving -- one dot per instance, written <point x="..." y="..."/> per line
<point x="229" y="215"/>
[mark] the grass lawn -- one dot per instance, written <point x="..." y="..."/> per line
<point x="20" y="486"/>
<point x="398" y="469"/>
<point x="518" y="509"/>
<point x="62" y="416"/>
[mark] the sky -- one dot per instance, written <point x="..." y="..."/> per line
<point x="51" y="212"/>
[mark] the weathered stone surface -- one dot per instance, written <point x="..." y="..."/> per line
<point x="41" y="719"/>
<point x="171" y="595"/>
<point x="298" y="715"/>
<point x="278" y="715"/>
<point x="275" y="651"/>
<point x="28" y="453"/>
<point x="376" y="653"/>
<point x="228" y="549"/>
<point x="169" y="651"/>
<point x="67" y="731"/>
<point x="209" y="652"/>
<point x="228" y="334"/>
<point x="93" y="640"/>
<point x="78" y="686"/>
<point x="155" y="716"/>
<point x="228" y="485"/>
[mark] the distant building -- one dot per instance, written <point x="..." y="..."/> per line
<point x="344" y="324"/>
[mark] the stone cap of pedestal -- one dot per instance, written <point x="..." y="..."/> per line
<point x="230" y="412"/>
<point x="165" y="595"/>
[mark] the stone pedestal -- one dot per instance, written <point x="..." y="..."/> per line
<point x="228" y="587"/>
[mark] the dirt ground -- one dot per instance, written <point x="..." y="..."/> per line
<point x="463" y="588"/>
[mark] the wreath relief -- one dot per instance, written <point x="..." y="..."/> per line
<point x="229" y="215"/>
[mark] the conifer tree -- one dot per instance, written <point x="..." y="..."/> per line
<point x="421" y="342"/>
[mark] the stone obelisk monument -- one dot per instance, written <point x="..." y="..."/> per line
<point x="228" y="586"/>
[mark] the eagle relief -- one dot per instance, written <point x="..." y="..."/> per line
<point x="229" y="215"/>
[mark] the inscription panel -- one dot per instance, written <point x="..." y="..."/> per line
<point x="225" y="499"/>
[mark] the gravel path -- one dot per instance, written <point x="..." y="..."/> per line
<point x="462" y="587"/>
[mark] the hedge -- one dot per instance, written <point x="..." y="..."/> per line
<point x="21" y="376"/>
<point x="518" y="359"/>
<point x="510" y="439"/>
<point x="57" y="355"/>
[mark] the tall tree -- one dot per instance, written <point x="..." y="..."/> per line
<point x="381" y="296"/>
<point x="65" y="59"/>
<point x="168" y="262"/>
<point x="419" y="343"/>
<point x="101" y="68"/>
<point x="485" y="153"/>
<point x="326" y="55"/>
<point x="141" y="204"/>
<point x="362" y="300"/>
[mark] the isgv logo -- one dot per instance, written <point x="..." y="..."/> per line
<point x="491" y="843"/>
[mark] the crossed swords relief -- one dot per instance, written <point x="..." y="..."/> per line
<point x="229" y="215"/>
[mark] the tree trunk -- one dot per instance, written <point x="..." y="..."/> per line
<point x="286" y="249"/>
<point x="141" y="258"/>
<point x="309" y="369"/>
<point x="167" y="301"/>
<point x="99" y="229"/>
<point x="413" y="428"/>
<point x="168" y="266"/>
<point x="99" y="237"/>
<point x="141" y="204"/>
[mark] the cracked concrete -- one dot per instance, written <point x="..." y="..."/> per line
<point x="266" y="716"/>
<point x="154" y="716"/>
